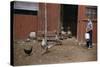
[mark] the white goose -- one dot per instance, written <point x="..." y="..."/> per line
<point x="44" y="44"/>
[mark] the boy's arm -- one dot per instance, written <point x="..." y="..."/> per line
<point x="87" y="30"/>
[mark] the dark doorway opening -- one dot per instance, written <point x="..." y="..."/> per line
<point x="69" y="15"/>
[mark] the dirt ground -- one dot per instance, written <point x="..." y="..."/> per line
<point x="70" y="51"/>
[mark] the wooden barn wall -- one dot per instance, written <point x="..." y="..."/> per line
<point x="53" y="17"/>
<point x="41" y="17"/>
<point x="81" y="26"/>
<point x="23" y="25"/>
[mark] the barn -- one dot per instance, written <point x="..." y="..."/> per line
<point x="30" y="17"/>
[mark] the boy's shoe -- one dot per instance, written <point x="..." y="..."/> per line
<point x="90" y="47"/>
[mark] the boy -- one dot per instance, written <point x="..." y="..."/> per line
<point x="89" y="29"/>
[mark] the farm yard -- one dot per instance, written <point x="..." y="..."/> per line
<point x="61" y="27"/>
<point x="69" y="51"/>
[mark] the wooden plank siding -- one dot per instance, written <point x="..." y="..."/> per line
<point x="23" y="25"/>
<point x="81" y="26"/>
<point x="53" y="17"/>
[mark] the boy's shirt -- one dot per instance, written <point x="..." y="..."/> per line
<point x="89" y="26"/>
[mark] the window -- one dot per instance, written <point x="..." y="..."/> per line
<point x="91" y="12"/>
<point x="28" y="8"/>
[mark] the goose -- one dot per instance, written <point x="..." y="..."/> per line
<point x="44" y="45"/>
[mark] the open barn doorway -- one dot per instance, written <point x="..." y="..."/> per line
<point x="69" y="15"/>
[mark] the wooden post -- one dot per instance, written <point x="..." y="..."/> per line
<point x="45" y="23"/>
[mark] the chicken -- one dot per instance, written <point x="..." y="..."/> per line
<point x="56" y="37"/>
<point x="28" y="40"/>
<point x="28" y="51"/>
<point x="32" y="35"/>
<point x="58" y="42"/>
<point x="69" y="34"/>
<point x="63" y="35"/>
